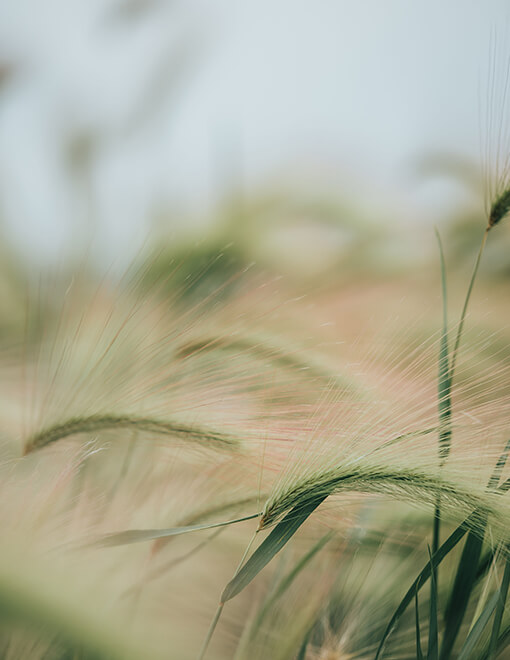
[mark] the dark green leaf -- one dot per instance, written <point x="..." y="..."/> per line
<point x="424" y="575"/>
<point x="500" y="608"/>
<point x="302" y="651"/>
<point x="279" y="536"/>
<point x="432" y="649"/>
<point x="465" y="580"/>
<point x="288" y="579"/>
<point x="419" y="653"/>
<point x="476" y="631"/>
<point x="454" y="538"/>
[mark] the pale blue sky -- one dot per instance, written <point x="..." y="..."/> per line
<point x="333" y="94"/>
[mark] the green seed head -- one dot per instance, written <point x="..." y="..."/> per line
<point x="500" y="208"/>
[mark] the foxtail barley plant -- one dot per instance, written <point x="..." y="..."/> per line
<point x="203" y="465"/>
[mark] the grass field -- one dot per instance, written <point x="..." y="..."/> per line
<point x="312" y="460"/>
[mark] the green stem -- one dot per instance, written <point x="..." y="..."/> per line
<point x="466" y="303"/>
<point x="219" y="610"/>
<point x="437" y="525"/>
<point x="211" y="630"/>
<point x="444" y="404"/>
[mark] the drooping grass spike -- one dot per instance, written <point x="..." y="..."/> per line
<point x="500" y="208"/>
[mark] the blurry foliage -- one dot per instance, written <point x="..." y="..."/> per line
<point x="464" y="235"/>
<point x="13" y="285"/>
<point x="196" y="271"/>
<point x="466" y="222"/>
<point x="310" y="239"/>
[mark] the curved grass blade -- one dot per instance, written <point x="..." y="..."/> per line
<point x="192" y="519"/>
<point x="221" y="605"/>
<point x="476" y="631"/>
<point x="304" y="646"/>
<point x="503" y="640"/>
<point x="466" y="305"/>
<point x="432" y="649"/>
<point x="500" y="465"/>
<point x="172" y="563"/>
<point x="279" y="536"/>
<point x="465" y="580"/>
<point x="288" y="579"/>
<point x="450" y="543"/>
<point x="500" y="608"/>
<point x="419" y="652"/>
<point x="139" y="535"/>
<point x="467" y="571"/>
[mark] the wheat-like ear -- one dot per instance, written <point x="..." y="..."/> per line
<point x="265" y="348"/>
<point x="96" y="423"/>
<point x="500" y="208"/>
<point x="290" y="506"/>
<point x="497" y="148"/>
<point x="404" y="483"/>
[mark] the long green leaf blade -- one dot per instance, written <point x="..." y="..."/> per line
<point x="467" y="571"/>
<point x="500" y="608"/>
<point x="302" y="651"/>
<point x="432" y="649"/>
<point x="454" y="538"/>
<point x="465" y="307"/>
<point x="139" y="535"/>
<point x="437" y="557"/>
<point x="288" y="579"/>
<point x="419" y="652"/>
<point x="477" y="630"/>
<point x="279" y="536"/>
<point x="465" y="580"/>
